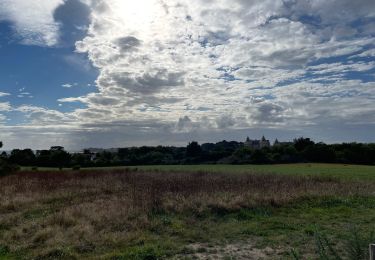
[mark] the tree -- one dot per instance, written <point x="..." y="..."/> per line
<point x="5" y="166"/>
<point x="260" y="157"/>
<point x="24" y="157"/>
<point x="193" y="149"/>
<point x="81" y="160"/>
<point x="320" y="152"/>
<point x="302" y="143"/>
<point x="43" y="158"/>
<point x="242" y="155"/>
<point x="60" y="158"/>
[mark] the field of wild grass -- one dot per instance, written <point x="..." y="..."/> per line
<point x="140" y="213"/>
<point x="340" y="171"/>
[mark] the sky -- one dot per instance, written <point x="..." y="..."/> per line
<point x="119" y="73"/>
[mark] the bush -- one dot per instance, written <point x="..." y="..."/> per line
<point x="7" y="168"/>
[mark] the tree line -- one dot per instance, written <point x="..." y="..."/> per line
<point x="232" y="152"/>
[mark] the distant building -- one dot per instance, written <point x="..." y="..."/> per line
<point x="257" y="144"/>
<point x="100" y="150"/>
<point x="278" y="143"/>
<point x="57" y="148"/>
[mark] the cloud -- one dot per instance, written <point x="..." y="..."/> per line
<point x="196" y="67"/>
<point x="186" y="52"/>
<point x="42" y="116"/>
<point x="5" y="106"/>
<point x="22" y="93"/>
<point x="73" y="17"/>
<point x="366" y="53"/>
<point x="225" y="121"/>
<point x="4" y="94"/>
<point x="127" y="43"/>
<point x="78" y="62"/>
<point x="266" y="112"/>
<point x="184" y="124"/>
<point x="32" y="20"/>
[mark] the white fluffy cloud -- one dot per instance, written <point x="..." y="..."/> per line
<point x="189" y="66"/>
<point x="32" y="20"/>
<point x="4" y="106"/>
<point x="172" y="60"/>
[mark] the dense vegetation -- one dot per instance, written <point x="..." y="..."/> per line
<point x="134" y="214"/>
<point x="301" y="150"/>
<point x="5" y="166"/>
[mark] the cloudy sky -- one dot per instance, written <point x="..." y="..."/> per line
<point x="112" y="73"/>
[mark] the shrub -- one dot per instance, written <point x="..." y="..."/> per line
<point x="7" y="168"/>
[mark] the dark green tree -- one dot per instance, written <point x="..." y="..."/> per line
<point x="5" y="166"/>
<point x="60" y="158"/>
<point x="24" y="157"/>
<point x="302" y="143"/>
<point x="193" y="149"/>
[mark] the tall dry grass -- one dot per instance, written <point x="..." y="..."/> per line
<point x="89" y="211"/>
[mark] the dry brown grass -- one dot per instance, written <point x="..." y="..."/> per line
<point x="102" y="211"/>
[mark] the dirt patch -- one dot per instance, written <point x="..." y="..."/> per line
<point x="238" y="251"/>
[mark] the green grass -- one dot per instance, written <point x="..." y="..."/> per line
<point x="342" y="171"/>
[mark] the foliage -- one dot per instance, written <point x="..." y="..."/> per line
<point x="302" y="150"/>
<point x="22" y="157"/>
<point x="302" y="143"/>
<point x="193" y="149"/>
<point x="5" y="166"/>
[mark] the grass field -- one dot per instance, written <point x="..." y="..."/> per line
<point x="342" y="171"/>
<point x="189" y="212"/>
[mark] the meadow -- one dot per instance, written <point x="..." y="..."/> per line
<point x="302" y="211"/>
<point x="341" y="171"/>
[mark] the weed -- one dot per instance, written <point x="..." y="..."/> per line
<point x="295" y="254"/>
